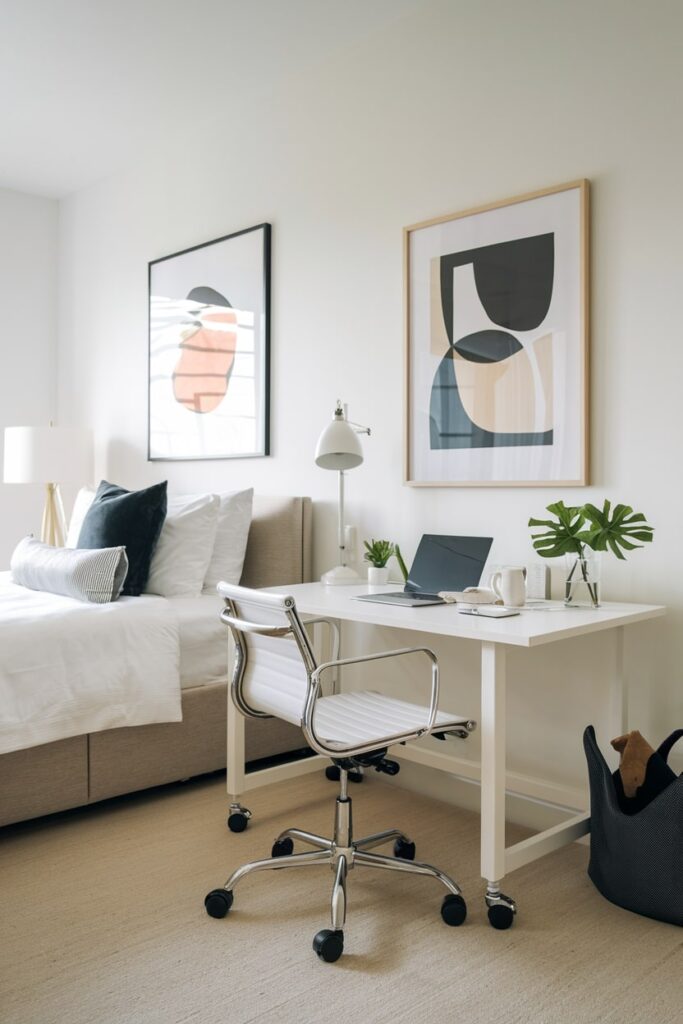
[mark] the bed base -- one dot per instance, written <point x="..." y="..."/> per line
<point x="85" y="769"/>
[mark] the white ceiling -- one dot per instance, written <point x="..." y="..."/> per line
<point x="86" y="86"/>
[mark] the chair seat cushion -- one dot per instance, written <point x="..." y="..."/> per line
<point x="348" y="720"/>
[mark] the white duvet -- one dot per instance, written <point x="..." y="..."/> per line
<point x="68" y="668"/>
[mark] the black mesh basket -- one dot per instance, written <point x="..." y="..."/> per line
<point x="636" y="860"/>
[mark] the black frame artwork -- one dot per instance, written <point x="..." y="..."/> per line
<point x="496" y="329"/>
<point x="209" y="349"/>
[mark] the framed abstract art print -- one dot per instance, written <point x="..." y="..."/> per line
<point x="209" y="349"/>
<point x="496" y="308"/>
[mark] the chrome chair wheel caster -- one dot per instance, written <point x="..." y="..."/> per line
<point x="501" y="911"/>
<point x="453" y="910"/>
<point x="329" y="945"/>
<point x="238" y="819"/>
<point x="218" y="902"/>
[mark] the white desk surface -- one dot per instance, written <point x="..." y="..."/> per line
<point x="535" y="625"/>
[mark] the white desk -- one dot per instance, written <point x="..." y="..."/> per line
<point x="532" y="628"/>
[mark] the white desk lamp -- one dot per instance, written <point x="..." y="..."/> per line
<point x="339" y="449"/>
<point x="50" y="456"/>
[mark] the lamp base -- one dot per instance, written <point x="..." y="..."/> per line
<point x="341" y="574"/>
<point x="54" y="525"/>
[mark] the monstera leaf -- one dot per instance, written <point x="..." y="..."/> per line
<point x="562" y="537"/>
<point x="616" y="531"/>
<point x="588" y="526"/>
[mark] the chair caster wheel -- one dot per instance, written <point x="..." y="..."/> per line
<point x="501" y="911"/>
<point x="453" y="910"/>
<point x="403" y="850"/>
<point x="282" y="847"/>
<point x="218" y="902"/>
<point x="238" y="820"/>
<point x="329" y="945"/>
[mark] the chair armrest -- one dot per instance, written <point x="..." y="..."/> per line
<point x="400" y="652"/>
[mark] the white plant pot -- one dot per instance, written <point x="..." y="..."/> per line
<point x="376" y="577"/>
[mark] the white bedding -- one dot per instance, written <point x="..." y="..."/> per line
<point x="68" y="668"/>
<point x="203" y="639"/>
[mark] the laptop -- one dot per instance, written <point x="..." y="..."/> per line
<point x="441" y="563"/>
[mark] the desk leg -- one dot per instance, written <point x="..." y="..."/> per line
<point x="618" y="705"/>
<point x="501" y="908"/>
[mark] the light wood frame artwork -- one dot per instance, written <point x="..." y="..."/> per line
<point x="496" y="343"/>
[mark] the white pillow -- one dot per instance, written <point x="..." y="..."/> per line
<point x="182" y="554"/>
<point x="234" y="520"/>
<point x="87" y="574"/>
<point x="84" y="500"/>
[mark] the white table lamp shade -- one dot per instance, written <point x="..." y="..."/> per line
<point x="49" y="456"/>
<point x="338" y="446"/>
<point x="40" y="455"/>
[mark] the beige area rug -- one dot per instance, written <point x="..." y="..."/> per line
<point x="102" y="920"/>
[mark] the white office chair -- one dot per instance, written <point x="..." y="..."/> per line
<point x="276" y="674"/>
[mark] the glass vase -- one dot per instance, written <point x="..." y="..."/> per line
<point x="582" y="580"/>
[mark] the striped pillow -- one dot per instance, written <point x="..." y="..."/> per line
<point x="95" y="575"/>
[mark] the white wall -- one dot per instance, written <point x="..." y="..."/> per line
<point x="28" y="300"/>
<point x="457" y="105"/>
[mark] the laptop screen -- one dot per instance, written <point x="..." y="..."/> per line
<point x="447" y="563"/>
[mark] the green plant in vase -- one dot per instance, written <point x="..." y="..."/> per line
<point x="579" y="530"/>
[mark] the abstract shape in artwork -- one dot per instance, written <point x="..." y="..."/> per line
<point x="207" y="352"/>
<point x="514" y="281"/>
<point x="489" y="390"/>
<point x="503" y="396"/>
<point x="472" y="410"/>
<point x="487" y="346"/>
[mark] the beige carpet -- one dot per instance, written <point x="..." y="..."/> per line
<point x="102" y="920"/>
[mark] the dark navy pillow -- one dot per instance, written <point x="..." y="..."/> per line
<point x="129" y="518"/>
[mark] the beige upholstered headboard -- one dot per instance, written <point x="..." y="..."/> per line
<point x="279" y="545"/>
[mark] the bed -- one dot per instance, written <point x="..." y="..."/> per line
<point x="95" y="765"/>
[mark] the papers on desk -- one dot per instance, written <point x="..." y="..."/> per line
<point x="488" y="611"/>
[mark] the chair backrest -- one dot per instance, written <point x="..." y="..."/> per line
<point x="274" y="658"/>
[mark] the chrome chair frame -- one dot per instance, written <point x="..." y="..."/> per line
<point x="341" y="852"/>
<point x="296" y="629"/>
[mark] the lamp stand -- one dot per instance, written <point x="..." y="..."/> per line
<point x="341" y="573"/>
<point x="53" y="529"/>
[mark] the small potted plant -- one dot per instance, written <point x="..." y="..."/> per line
<point x="580" y="533"/>
<point x="378" y="553"/>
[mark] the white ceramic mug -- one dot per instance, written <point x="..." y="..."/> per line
<point x="509" y="584"/>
